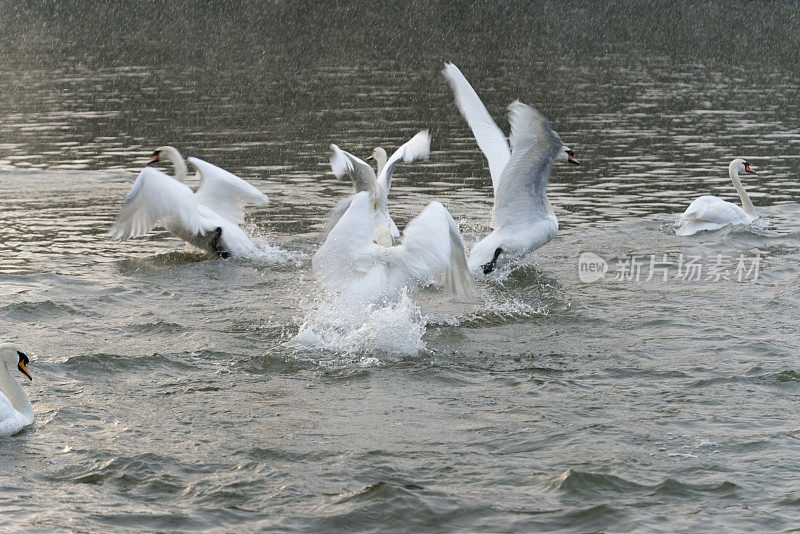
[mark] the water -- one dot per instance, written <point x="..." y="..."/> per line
<point x="173" y="392"/>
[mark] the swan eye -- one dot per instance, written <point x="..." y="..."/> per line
<point x="23" y="358"/>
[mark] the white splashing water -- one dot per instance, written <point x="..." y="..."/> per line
<point x="357" y="327"/>
<point x="271" y="254"/>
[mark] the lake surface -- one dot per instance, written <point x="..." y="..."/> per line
<point x="173" y="391"/>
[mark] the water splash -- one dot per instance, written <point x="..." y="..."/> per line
<point x="353" y="326"/>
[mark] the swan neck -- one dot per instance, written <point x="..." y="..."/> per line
<point x="172" y="155"/>
<point x="15" y="393"/>
<point x="747" y="205"/>
<point x="380" y="160"/>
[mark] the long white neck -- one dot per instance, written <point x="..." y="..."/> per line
<point x="380" y="160"/>
<point x="172" y="155"/>
<point x="747" y="206"/>
<point x="15" y="393"/>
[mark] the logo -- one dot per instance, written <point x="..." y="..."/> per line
<point x="591" y="267"/>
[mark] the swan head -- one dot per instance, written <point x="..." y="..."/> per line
<point x="566" y="154"/>
<point x="12" y="355"/>
<point x="380" y="157"/>
<point x="167" y="152"/>
<point x="740" y="165"/>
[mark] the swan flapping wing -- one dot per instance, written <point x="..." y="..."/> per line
<point x="225" y="193"/>
<point x="489" y="136"/>
<point x="348" y="251"/>
<point x="343" y="162"/>
<point x="521" y="194"/>
<point x="432" y="246"/>
<point x="417" y="147"/>
<point x="154" y="197"/>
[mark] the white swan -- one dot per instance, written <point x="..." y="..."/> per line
<point x="364" y="179"/>
<point x="360" y="259"/>
<point x="522" y="217"/>
<point x="16" y="411"/>
<point x="712" y="213"/>
<point x="208" y="219"/>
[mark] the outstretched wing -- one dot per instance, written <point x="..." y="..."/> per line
<point x="348" y="250"/>
<point x="343" y="162"/>
<point x="154" y="197"/>
<point x="521" y="194"/>
<point x="225" y="193"/>
<point x="432" y="246"/>
<point x="489" y="136"/>
<point x="417" y="147"/>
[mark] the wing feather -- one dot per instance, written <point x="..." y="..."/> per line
<point x="432" y="246"/>
<point x="348" y="250"/>
<point x="489" y="136"/>
<point x="225" y="193"/>
<point x="343" y="162"/>
<point x="521" y="194"/>
<point x="418" y="147"/>
<point x="154" y="197"/>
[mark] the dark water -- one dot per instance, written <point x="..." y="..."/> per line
<point x="173" y="392"/>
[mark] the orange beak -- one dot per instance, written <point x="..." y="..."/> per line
<point x="573" y="160"/>
<point x="153" y="159"/>
<point x="371" y="157"/>
<point x="749" y="169"/>
<point x="24" y="369"/>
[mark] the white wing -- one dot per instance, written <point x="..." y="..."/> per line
<point x="225" y="193"/>
<point x="336" y="214"/>
<point x="432" y="246"/>
<point x="348" y="250"/>
<point x="154" y="197"/>
<point x="489" y="136"/>
<point x="343" y="162"/>
<point x="417" y="147"/>
<point x="521" y="194"/>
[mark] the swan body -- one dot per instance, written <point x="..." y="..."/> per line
<point x="16" y="411"/>
<point x="364" y="178"/>
<point x="712" y="213"/>
<point x="522" y="217"/>
<point x="208" y="218"/>
<point x="361" y="260"/>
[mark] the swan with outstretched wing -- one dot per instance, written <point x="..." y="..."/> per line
<point x="364" y="178"/>
<point x="359" y="258"/>
<point x="208" y="219"/>
<point x="522" y="216"/>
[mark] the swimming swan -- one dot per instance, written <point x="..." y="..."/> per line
<point x="522" y="217"/>
<point x="344" y="163"/>
<point x="208" y="218"/>
<point x="360" y="259"/>
<point x="712" y="213"/>
<point x="16" y="411"/>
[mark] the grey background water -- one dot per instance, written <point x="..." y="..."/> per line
<point x="167" y="389"/>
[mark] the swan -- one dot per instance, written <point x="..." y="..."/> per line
<point x="360" y="259"/>
<point x="208" y="218"/>
<point x="364" y="179"/>
<point x="522" y="217"/>
<point x="712" y="213"/>
<point x="16" y="411"/>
